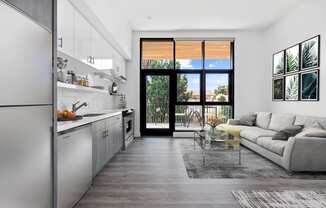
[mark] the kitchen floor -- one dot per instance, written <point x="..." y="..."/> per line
<point x="151" y="173"/>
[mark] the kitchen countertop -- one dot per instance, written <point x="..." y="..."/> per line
<point x="65" y="125"/>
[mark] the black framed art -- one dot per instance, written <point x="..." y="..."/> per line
<point x="310" y="56"/>
<point x="310" y="86"/>
<point x="296" y="72"/>
<point x="292" y="87"/>
<point x="278" y="89"/>
<point x="278" y="63"/>
<point x="292" y="59"/>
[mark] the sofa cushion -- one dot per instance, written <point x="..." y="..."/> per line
<point x="254" y="132"/>
<point x="276" y="146"/>
<point x="314" y="131"/>
<point x="281" y="121"/>
<point x="235" y="127"/>
<point x="263" y="119"/>
<point x="309" y="121"/>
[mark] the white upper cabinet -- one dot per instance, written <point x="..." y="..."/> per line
<point x="83" y="39"/>
<point x="78" y="38"/>
<point x="66" y="26"/>
<point x="102" y="52"/>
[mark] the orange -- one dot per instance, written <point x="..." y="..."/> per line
<point x="65" y="114"/>
<point x="59" y="114"/>
<point x="71" y="115"/>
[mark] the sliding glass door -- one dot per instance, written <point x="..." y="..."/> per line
<point x="185" y="84"/>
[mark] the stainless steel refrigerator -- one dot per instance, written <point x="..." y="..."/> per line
<point x="25" y="111"/>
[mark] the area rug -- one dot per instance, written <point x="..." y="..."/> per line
<point x="281" y="199"/>
<point x="225" y="165"/>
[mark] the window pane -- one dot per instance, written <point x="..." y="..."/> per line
<point x="188" y="117"/>
<point x="188" y="87"/>
<point x="188" y="55"/>
<point x="217" y="87"/>
<point x="157" y="55"/>
<point x="218" y="55"/>
<point x="157" y="101"/>
<point x="222" y="112"/>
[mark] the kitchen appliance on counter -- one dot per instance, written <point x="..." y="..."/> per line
<point x="26" y="109"/>
<point x="128" y="127"/>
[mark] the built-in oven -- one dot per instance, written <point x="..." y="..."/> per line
<point x="128" y="127"/>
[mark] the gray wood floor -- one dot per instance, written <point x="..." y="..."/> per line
<point x="152" y="174"/>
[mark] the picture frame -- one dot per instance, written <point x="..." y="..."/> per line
<point x="278" y="63"/>
<point x="292" y="59"/>
<point x="278" y="89"/>
<point x="310" y="53"/>
<point x="291" y="88"/>
<point x="309" y="83"/>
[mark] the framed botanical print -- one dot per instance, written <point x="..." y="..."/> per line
<point x="310" y="86"/>
<point x="292" y="59"/>
<point x="278" y="89"/>
<point x="310" y="53"/>
<point x="292" y="87"/>
<point x="278" y="63"/>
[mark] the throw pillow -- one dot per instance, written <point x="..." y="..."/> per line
<point x="263" y="119"/>
<point x="279" y="121"/>
<point x="248" y="119"/>
<point x="291" y="131"/>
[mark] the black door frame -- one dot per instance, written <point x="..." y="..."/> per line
<point x="143" y="129"/>
<point x="172" y="73"/>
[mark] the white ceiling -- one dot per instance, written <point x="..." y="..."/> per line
<point x="159" y="15"/>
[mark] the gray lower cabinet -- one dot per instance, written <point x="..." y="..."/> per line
<point x="107" y="141"/>
<point x="116" y="134"/>
<point x="74" y="165"/>
<point x="100" y="140"/>
<point x="39" y="10"/>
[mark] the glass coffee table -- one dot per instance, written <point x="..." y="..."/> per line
<point x="222" y="141"/>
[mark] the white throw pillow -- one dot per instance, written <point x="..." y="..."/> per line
<point x="263" y="119"/>
<point x="281" y="121"/>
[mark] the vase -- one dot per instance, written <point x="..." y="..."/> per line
<point x="212" y="131"/>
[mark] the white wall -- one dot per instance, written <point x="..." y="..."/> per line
<point x="96" y="101"/>
<point x="250" y="79"/>
<point x="306" y="21"/>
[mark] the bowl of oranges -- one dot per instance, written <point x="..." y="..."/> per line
<point x="67" y="115"/>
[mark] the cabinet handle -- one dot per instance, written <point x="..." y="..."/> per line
<point x="60" y="42"/>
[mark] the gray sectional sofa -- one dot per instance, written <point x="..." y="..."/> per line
<point x="295" y="154"/>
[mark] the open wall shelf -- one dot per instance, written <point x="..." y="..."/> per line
<point x="80" y="88"/>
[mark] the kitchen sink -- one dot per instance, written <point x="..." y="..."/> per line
<point x="93" y="114"/>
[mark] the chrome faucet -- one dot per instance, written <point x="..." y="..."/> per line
<point x="76" y="108"/>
